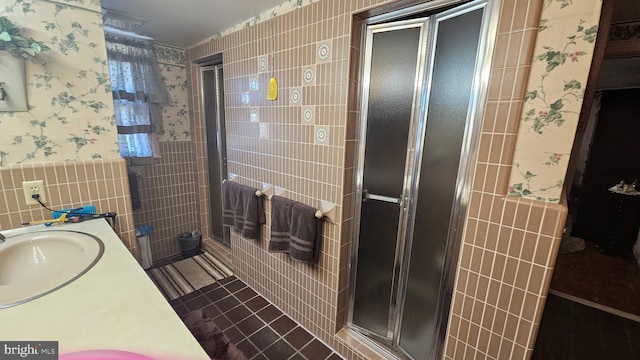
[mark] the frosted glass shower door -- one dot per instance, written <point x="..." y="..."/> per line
<point x="450" y="92"/>
<point x="423" y="79"/>
<point x="393" y="76"/>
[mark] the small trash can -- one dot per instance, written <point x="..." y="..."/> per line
<point x="144" y="245"/>
<point x="190" y="243"/>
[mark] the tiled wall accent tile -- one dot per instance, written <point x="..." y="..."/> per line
<point x="71" y="184"/>
<point x="254" y="114"/>
<point x="245" y="98"/>
<point x="263" y="63"/>
<point x="321" y="135"/>
<point x="263" y="131"/>
<point x="323" y="51"/>
<point x="253" y="84"/>
<point x="168" y="197"/>
<point x="309" y="75"/>
<point x="295" y="96"/>
<point x="308" y="115"/>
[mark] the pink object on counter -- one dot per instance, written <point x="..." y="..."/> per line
<point x="104" y="355"/>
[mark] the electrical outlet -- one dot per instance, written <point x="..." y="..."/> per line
<point x="31" y="188"/>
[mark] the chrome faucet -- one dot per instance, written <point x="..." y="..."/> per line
<point x="2" y="238"/>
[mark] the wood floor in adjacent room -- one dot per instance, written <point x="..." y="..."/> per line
<point x="571" y="330"/>
<point x="612" y="281"/>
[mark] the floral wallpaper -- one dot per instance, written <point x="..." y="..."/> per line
<point x="554" y="97"/>
<point x="175" y="115"/>
<point x="93" y="5"/>
<point x="70" y="113"/>
<point x="285" y="7"/>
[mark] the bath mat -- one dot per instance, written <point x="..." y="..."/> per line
<point x="213" y="341"/>
<point x="570" y="244"/>
<point x="188" y="275"/>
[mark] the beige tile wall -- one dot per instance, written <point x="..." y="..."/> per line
<point x="509" y="244"/>
<point x="168" y="197"/>
<point x="70" y="184"/>
<point x="291" y="157"/>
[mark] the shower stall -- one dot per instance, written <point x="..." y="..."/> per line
<point x="424" y="75"/>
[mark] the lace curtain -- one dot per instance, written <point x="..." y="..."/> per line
<point x="138" y="94"/>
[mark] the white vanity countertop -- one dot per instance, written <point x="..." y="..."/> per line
<point x="114" y="306"/>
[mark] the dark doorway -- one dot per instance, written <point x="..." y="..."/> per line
<point x="607" y="218"/>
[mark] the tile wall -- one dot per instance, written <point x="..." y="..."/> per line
<point x="168" y="197"/>
<point x="167" y="188"/>
<point x="296" y="142"/>
<point x="70" y="184"/>
<point x="510" y="244"/>
<point x="305" y="142"/>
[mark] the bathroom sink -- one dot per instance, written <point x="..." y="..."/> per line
<point x="37" y="263"/>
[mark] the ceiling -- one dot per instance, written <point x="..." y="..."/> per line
<point x="185" y="22"/>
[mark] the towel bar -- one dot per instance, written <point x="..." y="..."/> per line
<point x="232" y="177"/>
<point x="327" y="210"/>
<point x="268" y="190"/>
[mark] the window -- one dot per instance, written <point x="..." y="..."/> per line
<point x="138" y="95"/>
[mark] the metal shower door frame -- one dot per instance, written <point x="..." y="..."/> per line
<point x="468" y="154"/>
<point x="216" y="68"/>
<point x="413" y="161"/>
<point x="360" y="193"/>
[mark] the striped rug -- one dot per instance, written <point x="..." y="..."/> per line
<point x="188" y="275"/>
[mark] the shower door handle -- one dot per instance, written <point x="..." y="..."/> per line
<point x="367" y="196"/>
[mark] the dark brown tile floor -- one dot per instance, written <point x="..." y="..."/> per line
<point x="572" y="331"/>
<point x="253" y="324"/>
